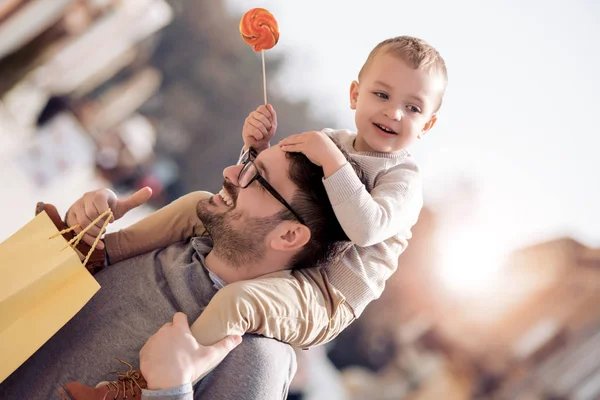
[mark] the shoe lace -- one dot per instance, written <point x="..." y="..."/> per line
<point x="125" y="380"/>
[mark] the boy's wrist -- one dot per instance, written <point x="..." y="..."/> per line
<point x="333" y="165"/>
<point x="256" y="147"/>
<point x="264" y="147"/>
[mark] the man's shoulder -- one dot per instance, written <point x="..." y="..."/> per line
<point x="265" y="366"/>
<point x="265" y="356"/>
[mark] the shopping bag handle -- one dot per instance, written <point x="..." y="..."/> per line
<point x="75" y="241"/>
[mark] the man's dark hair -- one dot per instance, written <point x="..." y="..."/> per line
<point x="328" y="240"/>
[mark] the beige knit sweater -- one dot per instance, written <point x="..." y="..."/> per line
<point x="377" y="219"/>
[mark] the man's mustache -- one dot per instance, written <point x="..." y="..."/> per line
<point x="231" y="190"/>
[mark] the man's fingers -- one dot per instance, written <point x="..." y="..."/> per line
<point x="83" y="221"/>
<point x="89" y="239"/>
<point x="99" y="245"/>
<point x="91" y="213"/>
<point x="101" y="205"/>
<point x="93" y="206"/>
<point x="180" y="319"/>
<point x="214" y="354"/>
<point x="227" y="344"/>
<point x="73" y="216"/>
<point x="131" y="202"/>
<point x="94" y="230"/>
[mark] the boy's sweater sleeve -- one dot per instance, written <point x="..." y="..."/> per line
<point x="380" y="226"/>
<point x="173" y="223"/>
<point x="392" y="205"/>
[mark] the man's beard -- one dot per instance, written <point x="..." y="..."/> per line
<point x="240" y="246"/>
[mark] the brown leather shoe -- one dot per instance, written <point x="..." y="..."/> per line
<point x="128" y="385"/>
<point x="97" y="260"/>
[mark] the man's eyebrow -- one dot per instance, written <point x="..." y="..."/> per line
<point x="261" y="168"/>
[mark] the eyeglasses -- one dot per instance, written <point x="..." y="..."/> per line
<point x="250" y="173"/>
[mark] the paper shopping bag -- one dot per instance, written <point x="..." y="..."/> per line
<point x="43" y="284"/>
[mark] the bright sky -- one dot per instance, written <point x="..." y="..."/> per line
<point x="519" y="117"/>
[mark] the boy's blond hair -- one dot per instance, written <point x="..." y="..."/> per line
<point x="416" y="52"/>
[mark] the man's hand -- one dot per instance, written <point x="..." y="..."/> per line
<point x="93" y="204"/>
<point x="173" y="357"/>
<point x="318" y="147"/>
<point x="259" y="128"/>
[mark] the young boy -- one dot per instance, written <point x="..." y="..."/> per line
<point x="396" y="99"/>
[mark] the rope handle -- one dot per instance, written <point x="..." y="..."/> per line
<point x="75" y="241"/>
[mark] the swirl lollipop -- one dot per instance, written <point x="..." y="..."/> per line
<point x="259" y="29"/>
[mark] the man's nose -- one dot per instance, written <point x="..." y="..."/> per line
<point x="232" y="173"/>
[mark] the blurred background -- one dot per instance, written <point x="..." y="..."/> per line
<point x="498" y="293"/>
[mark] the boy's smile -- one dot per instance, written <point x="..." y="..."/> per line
<point x="385" y="130"/>
<point x="395" y="104"/>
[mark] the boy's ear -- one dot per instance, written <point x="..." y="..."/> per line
<point x="353" y="94"/>
<point x="290" y="236"/>
<point x="428" y="126"/>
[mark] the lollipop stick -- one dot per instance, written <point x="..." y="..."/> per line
<point x="262" y="52"/>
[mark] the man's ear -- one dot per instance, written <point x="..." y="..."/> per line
<point x="290" y="236"/>
<point x="428" y="126"/>
<point x="353" y="94"/>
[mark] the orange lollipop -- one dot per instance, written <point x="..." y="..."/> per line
<point x="259" y="29"/>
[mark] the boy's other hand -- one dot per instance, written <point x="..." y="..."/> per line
<point x="318" y="148"/>
<point x="92" y="204"/>
<point x="259" y="128"/>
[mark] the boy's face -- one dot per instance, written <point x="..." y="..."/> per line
<point x="395" y="104"/>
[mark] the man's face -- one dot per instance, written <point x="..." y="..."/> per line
<point x="395" y="104"/>
<point x="240" y="220"/>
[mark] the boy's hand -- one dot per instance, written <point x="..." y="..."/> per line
<point x="259" y="128"/>
<point x="319" y="149"/>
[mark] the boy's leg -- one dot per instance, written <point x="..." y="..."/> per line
<point x="297" y="307"/>
<point x="175" y="222"/>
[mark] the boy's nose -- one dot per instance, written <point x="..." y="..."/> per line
<point x="232" y="173"/>
<point x="395" y="113"/>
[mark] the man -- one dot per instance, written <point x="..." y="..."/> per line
<point x="140" y="294"/>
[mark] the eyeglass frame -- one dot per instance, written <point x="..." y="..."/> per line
<point x="248" y="159"/>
